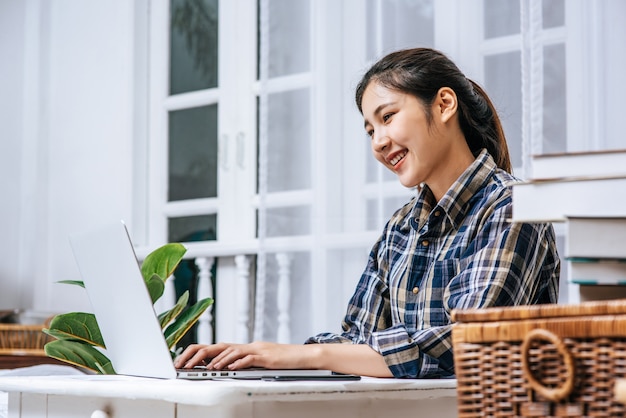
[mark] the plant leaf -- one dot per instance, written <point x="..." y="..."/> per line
<point x="79" y="354"/>
<point x="163" y="261"/>
<point x="77" y="326"/>
<point x="183" y="323"/>
<point x="168" y="316"/>
<point x="74" y="282"/>
<point x="156" y="287"/>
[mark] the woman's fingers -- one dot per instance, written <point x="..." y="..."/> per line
<point x="242" y="363"/>
<point x="196" y="355"/>
<point x="238" y="356"/>
<point x="231" y="357"/>
<point x="184" y="357"/>
<point x="218" y="361"/>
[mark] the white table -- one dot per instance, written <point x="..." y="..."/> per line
<point x="131" y="397"/>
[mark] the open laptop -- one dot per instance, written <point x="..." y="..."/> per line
<point x="120" y="301"/>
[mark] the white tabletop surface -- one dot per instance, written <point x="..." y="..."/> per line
<point x="230" y="391"/>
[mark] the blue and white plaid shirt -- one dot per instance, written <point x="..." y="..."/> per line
<point x="433" y="257"/>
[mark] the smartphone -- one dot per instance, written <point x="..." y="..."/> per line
<point x="335" y="376"/>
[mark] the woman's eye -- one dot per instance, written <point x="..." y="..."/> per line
<point x="387" y="116"/>
<point x="370" y="133"/>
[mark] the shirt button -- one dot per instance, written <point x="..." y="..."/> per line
<point x="425" y="243"/>
<point x="437" y="213"/>
<point x="415" y="290"/>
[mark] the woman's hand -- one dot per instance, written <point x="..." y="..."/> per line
<point x="358" y="359"/>
<point x="239" y="356"/>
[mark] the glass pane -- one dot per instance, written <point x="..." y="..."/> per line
<point x="502" y="18"/>
<point x="504" y="86"/>
<point x="289" y="221"/>
<point x="188" y="229"/>
<point x="373" y="166"/>
<point x="193" y="45"/>
<point x="289" y="145"/>
<point x="348" y="265"/>
<point x="554" y="99"/>
<point x="289" y="37"/>
<point x="376" y="220"/>
<point x="192" y="228"/>
<point x="612" y="88"/>
<point x="553" y="13"/>
<point x="193" y="153"/>
<point x="403" y="24"/>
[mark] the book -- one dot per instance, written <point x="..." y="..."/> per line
<point x="556" y="199"/>
<point x="592" y="237"/>
<point x="604" y="163"/>
<point x="599" y="292"/>
<point x="597" y="271"/>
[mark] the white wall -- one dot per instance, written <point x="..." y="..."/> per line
<point x="11" y="70"/>
<point x="66" y="103"/>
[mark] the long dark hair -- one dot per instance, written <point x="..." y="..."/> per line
<point x="421" y="72"/>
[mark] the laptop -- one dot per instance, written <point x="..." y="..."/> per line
<point x="134" y="340"/>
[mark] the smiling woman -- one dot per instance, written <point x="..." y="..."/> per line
<point x="452" y="246"/>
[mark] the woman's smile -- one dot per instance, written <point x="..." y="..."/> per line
<point x="397" y="158"/>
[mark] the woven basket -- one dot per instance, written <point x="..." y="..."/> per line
<point x="540" y="361"/>
<point x="17" y="339"/>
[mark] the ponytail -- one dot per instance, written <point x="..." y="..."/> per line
<point x="481" y="125"/>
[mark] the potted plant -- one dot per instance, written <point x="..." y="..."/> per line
<point x="78" y="340"/>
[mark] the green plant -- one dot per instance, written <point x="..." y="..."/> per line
<point x="78" y="338"/>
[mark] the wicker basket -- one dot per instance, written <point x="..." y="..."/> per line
<point x="540" y="361"/>
<point x="17" y="339"/>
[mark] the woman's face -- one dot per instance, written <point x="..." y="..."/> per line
<point x="401" y="137"/>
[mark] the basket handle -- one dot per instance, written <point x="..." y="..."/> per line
<point x="553" y="394"/>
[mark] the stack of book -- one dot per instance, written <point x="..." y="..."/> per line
<point x="572" y="184"/>
<point x="595" y="253"/>
<point x="586" y="191"/>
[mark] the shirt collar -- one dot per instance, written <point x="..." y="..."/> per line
<point x="456" y="201"/>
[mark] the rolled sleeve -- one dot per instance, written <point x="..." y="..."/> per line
<point x="424" y="354"/>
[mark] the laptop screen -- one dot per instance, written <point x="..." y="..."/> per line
<point x="120" y="301"/>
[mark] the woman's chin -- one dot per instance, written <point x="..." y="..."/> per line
<point x="408" y="183"/>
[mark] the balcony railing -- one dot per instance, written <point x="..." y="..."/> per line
<point x="241" y="310"/>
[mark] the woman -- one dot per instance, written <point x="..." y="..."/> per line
<point x="451" y="247"/>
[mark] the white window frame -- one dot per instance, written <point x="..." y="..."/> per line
<point x="236" y="124"/>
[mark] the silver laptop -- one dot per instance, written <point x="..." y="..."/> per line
<point x="135" y="343"/>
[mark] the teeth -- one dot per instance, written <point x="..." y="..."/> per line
<point x="398" y="158"/>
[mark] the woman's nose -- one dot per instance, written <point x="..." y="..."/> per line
<point x="380" y="142"/>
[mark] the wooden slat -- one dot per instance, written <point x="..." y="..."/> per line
<point x="607" y="307"/>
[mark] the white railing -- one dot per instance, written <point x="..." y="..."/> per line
<point x="205" y="290"/>
<point x="206" y="253"/>
<point x="243" y="308"/>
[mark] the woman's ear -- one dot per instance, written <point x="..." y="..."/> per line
<point x="446" y="103"/>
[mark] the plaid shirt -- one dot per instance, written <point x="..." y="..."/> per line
<point x="433" y="257"/>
